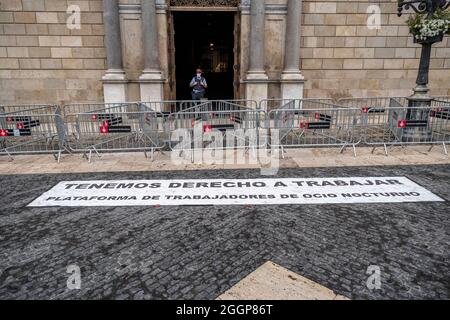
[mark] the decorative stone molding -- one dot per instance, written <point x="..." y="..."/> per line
<point x="242" y="5"/>
<point x="130" y="9"/>
<point x="204" y="3"/>
<point x="271" y="9"/>
<point x="161" y="6"/>
<point x="276" y="9"/>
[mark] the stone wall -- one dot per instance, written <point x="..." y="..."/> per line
<point x="342" y="57"/>
<point x="41" y="60"/>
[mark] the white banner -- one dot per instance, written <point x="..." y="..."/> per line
<point x="234" y="192"/>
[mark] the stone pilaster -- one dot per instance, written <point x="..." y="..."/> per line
<point x="151" y="80"/>
<point x="292" y="79"/>
<point x="114" y="82"/>
<point x="257" y="79"/>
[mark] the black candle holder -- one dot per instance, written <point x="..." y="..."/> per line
<point x="419" y="103"/>
<point x="428" y="7"/>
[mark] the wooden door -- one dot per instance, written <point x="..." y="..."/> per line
<point x="171" y="52"/>
<point x="237" y="55"/>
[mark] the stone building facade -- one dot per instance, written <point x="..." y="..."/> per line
<point x="134" y="49"/>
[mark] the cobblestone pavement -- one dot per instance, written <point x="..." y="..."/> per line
<point x="200" y="252"/>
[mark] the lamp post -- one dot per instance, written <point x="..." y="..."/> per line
<point x="419" y="103"/>
<point x="428" y="7"/>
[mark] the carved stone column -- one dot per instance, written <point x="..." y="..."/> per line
<point x="151" y="80"/>
<point x="292" y="79"/>
<point x="114" y="82"/>
<point x="257" y="79"/>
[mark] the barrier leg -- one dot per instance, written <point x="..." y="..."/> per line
<point x="386" y="152"/>
<point x="57" y="156"/>
<point x="373" y="150"/>
<point x="253" y="153"/>
<point x="90" y="154"/>
<point x="444" y="148"/>
<point x="9" y="155"/>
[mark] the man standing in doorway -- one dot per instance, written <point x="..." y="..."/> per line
<point x="198" y="85"/>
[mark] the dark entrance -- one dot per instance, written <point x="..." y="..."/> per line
<point x="205" y="40"/>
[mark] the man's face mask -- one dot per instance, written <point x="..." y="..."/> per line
<point x="199" y="75"/>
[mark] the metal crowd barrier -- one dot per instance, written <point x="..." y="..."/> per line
<point x="31" y="129"/>
<point x="217" y="125"/>
<point x="165" y="109"/>
<point x="69" y="110"/>
<point x="319" y="127"/>
<point x="217" y="105"/>
<point x="119" y="127"/>
<point x="370" y="103"/>
<point x="442" y="98"/>
<point x="210" y="125"/>
<point x="29" y="108"/>
<point x="400" y="125"/>
<point x="271" y="104"/>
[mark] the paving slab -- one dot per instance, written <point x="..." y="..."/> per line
<point x="273" y="282"/>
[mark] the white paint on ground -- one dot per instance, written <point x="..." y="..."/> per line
<point x="235" y="192"/>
